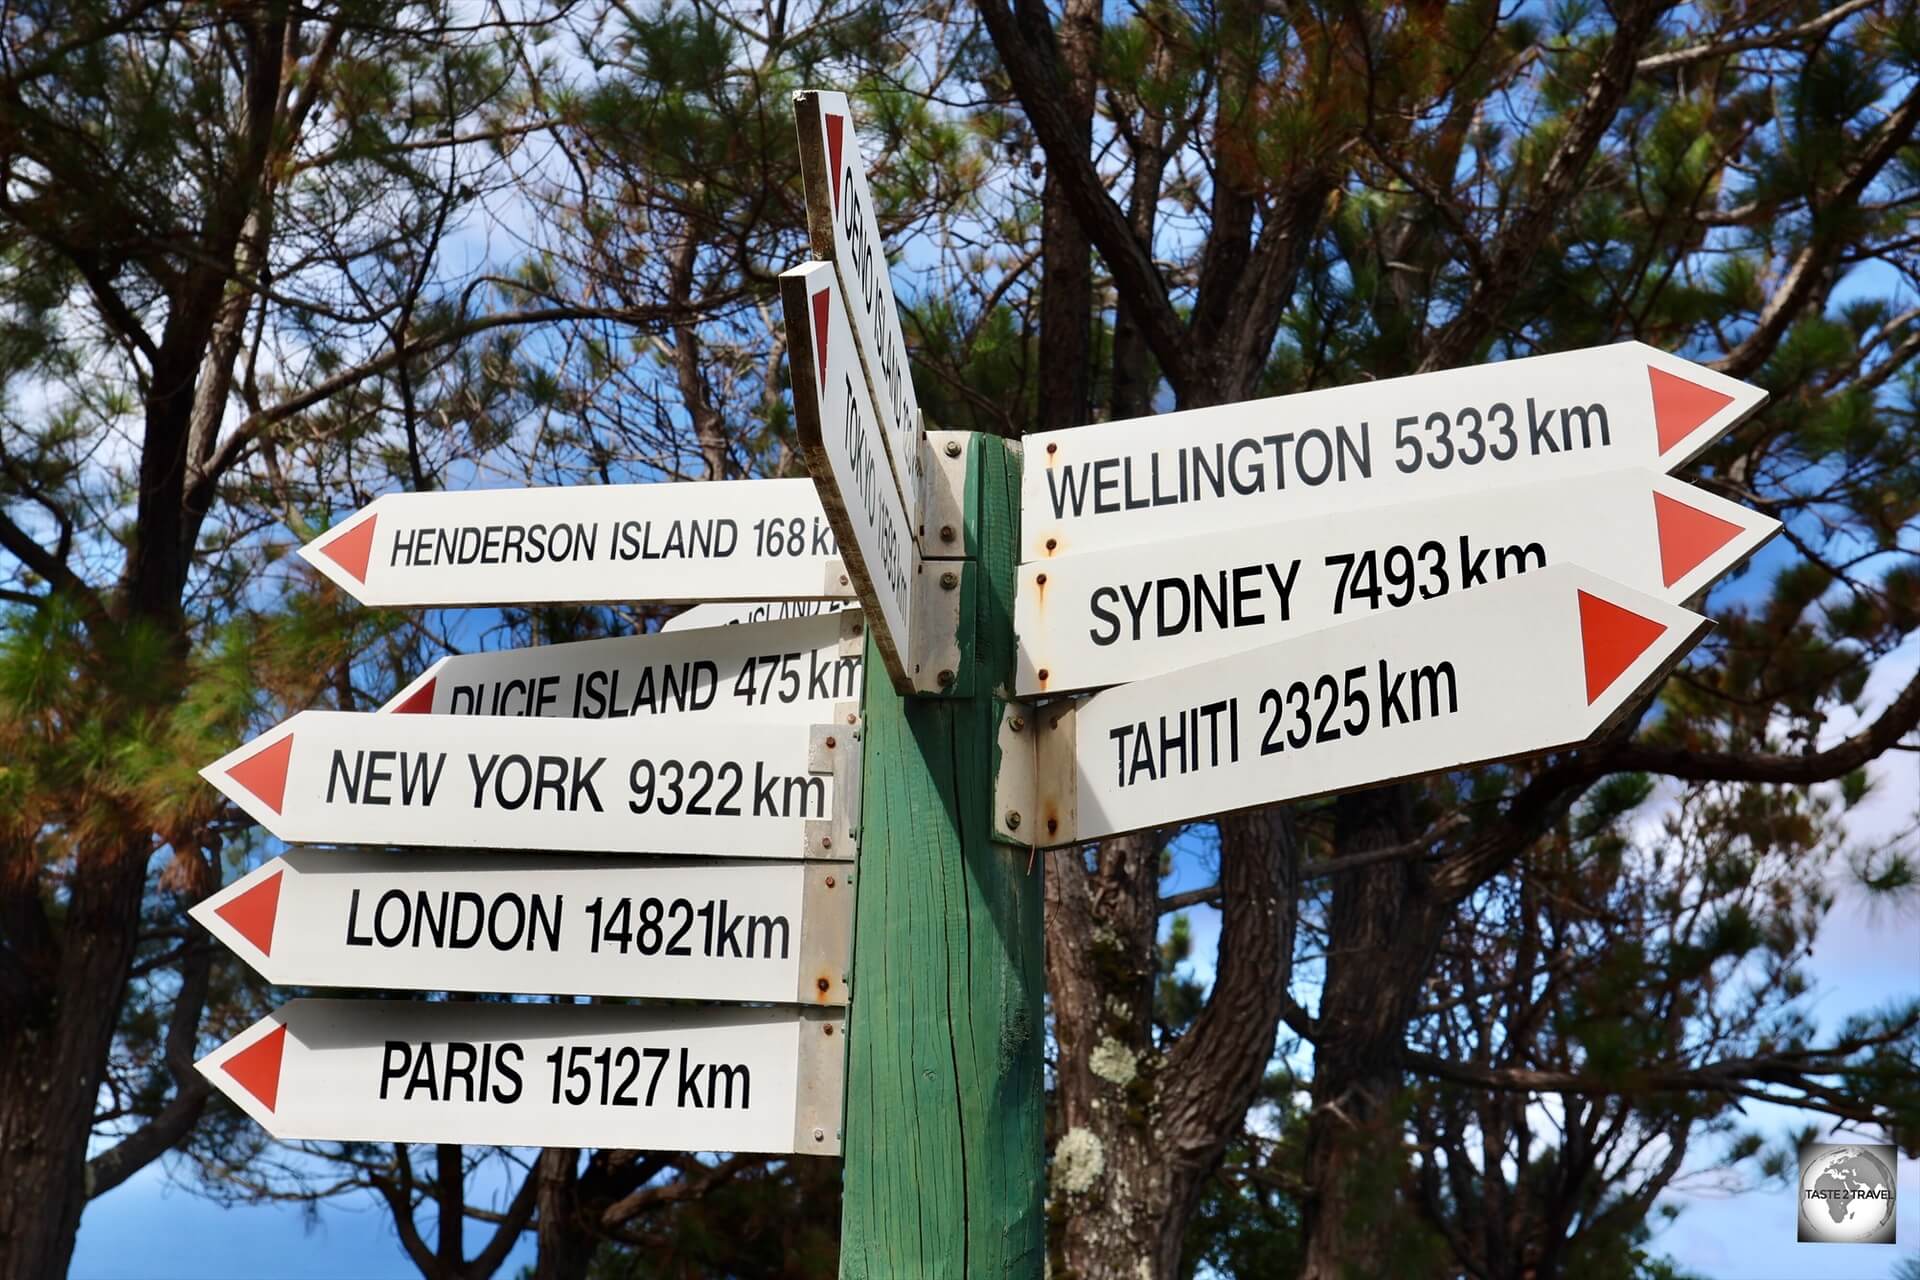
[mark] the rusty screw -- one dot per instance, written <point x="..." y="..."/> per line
<point x="829" y="1028"/>
<point x="1042" y="673"/>
<point x="1040" y="579"/>
<point x="949" y="580"/>
<point x="953" y="448"/>
<point x="831" y="744"/>
<point x="946" y="533"/>
<point x="852" y="718"/>
<point x="1053" y="825"/>
<point x="843" y="579"/>
<point x="829" y="882"/>
<point x="1053" y="448"/>
<point x="1013" y="819"/>
<point x="1052" y="543"/>
<point x="946" y="678"/>
<point x="823" y="984"/>
<point x="826" y="842"/>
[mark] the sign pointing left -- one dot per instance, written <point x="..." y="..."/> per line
<point x="508" y="782"/>
<point x="721" y="540"/>
<point x="727" y="1079"/>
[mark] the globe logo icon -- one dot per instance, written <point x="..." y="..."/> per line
<point x="1846" y="1194"/>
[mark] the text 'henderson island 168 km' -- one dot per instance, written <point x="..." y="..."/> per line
<point x="1431" y="435"/>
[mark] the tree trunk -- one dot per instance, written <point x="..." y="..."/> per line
<point x="1381" y="938"/>
<point x="52" y="1061"/>
<point x="1142" y="1125"/>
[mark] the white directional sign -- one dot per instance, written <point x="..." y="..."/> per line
<point x="727" y="540"/>
<point x="769" y="671"/>
<point x="841" y="438"/>
<point x="732" y="615"/>
<point x="529" y="1075"/>
<point x="1434" y="435"/>
<point x="696" y="786"/>
<point x="536" y="924"/>
<point x="1107" y="617"/>
<point x="844" y="230"/>
<point x="1522" y="666"/>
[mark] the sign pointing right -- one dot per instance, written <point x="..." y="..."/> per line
<point x="1433" y="435"/>
<point x="1528" y="665"/>
<point x="1108" y="617"/>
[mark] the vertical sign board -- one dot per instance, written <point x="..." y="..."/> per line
<point x="695" y="786"/>
<point x="845" y="231"/>
<point x="538" y="924"/>
<point x="1433" y="435"/>
<point x="531" y="1075"/>
<point x="770" y="671"/>
<point x="1527" y="665"/>
<point x="841" y="438"/>
<point x="1107" y="617"/>
<point x="586" y="544"/>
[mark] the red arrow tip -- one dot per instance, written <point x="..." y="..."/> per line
<point x="256" y="1068"/>
<point x="1611" y="638"/>
<point x="420" y="701"/>
<point x="253" y="912"/>
<point x="265" y="772"/>
<point x="821" y="301"/>
<point x="836" y="125"/>
<point x="1687" y="536"/>
<point x="352" y="548"/>
<point x="1679" y="406"/>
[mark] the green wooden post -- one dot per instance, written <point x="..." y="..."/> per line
<point x="945" y="1160"/>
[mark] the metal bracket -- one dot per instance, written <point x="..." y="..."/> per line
<point x="820" y="1095"/>
<point x="943" y="496"/>
<point x="1014" y="757"/>
<point x="835" y="749"/>
<point x="826" y="935"/>
<point x="941" y="591"/>
<point x="1055" y="786"/>
<point x="837" y="582"/>
<point x="853" y="633"/>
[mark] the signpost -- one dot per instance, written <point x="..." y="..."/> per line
<point x="842" y="439"/>
<point x="535" y="1075"/>
<point x="732" y="615"/>
<point x="1558" y="417"/>
<point x="536" y="924"/>
<point x="789" y="672"/>
<point x="844" y="229"/>
<point x="1524" y="666"/>
<point x="725" y="788"/>
<point x="1108" y="617"/>
<point x="725" y="540"/>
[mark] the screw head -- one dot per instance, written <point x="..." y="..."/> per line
<point x="852" y="718"/>
<point x="829" y="882"/>
<point x="1053" y="825"/>
<point x="953" y="448"/>
<point x="946" y="533"/>
<point x="1040" y="579"/>
<point x="822" y="983"/>
<point x="1013" y="819"/>
<point x="843" y="579"/>
<point x="1052" y="543"/>
<point x="1016" y="724"/>
<point x="949" y="580"/>
<point x="831" y="744"/>
<point x="829" y="1028"/>
<point x="946" y="678"/>
<point x="1053" y="448"/>
<point x="820" y="1135"/>
<point x="826" y="842"/>
<point x="1042" y="673"/>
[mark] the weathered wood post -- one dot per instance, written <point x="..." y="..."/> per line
<point x="945" y="1160"/>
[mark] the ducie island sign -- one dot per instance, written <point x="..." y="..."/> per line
<point x="1203" y="612"/>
